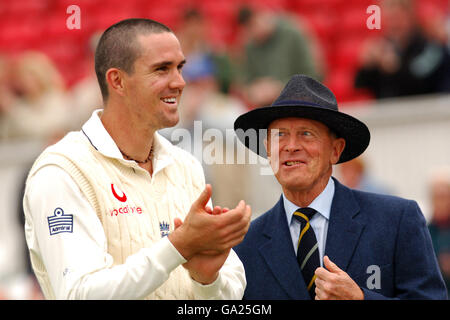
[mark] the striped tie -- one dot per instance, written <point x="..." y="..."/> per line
<point x="307" y="250"/>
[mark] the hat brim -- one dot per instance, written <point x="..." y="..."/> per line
<point x="355" y="133"/>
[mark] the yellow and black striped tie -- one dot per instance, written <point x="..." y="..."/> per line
<point x="307" y="249"/>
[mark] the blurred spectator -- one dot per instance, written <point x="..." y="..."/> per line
<point x="41" y="108"/>
<point x="404" y="61"/>
<point x="193" y="38"/>
<point x="7" y="95"/>
<point x="440" y="224"/>
<point x="85" y="96"/>
<point x="354" y="174"/>
<point x="275" y="49"/>
<point x="202" y="99"/>
<point x="434" y="22"/>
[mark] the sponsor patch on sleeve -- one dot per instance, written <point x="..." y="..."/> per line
<point x="60" y="222"/>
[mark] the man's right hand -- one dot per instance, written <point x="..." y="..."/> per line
<point x="202" y="232"/>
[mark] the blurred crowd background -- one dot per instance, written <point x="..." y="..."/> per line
<point x="239" y="54"/>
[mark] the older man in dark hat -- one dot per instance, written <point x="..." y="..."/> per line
<point x="323" y="240"/>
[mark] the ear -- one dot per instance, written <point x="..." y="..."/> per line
<point x="338" y="145"/>
<point x="115" y="80"/>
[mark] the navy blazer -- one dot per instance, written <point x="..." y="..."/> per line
<point x="369" y="236"/>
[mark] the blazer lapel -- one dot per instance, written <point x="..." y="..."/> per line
<point x="279" y="255"/>
<point x="344" y="228"/>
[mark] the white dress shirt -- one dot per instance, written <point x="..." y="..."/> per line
<point x="319" y="222"/>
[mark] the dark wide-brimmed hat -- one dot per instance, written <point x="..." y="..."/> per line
<point x="304" y="97"/>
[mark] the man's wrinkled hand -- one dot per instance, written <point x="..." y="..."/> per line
<point x="333" y="283"/>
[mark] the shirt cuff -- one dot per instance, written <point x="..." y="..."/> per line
<point x="165" y="251"/>
<point x="208" y="291"/>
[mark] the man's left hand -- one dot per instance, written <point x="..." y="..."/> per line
<point x="204" y="267"/>
<point x="333" y="283"/>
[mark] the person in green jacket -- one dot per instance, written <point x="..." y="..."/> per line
<point x="275" y="49"/>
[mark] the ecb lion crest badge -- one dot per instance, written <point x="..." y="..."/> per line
<point x="164" y="228"/>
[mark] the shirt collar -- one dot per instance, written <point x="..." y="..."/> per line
<point x="322" y="203"/>
<point x="100" y="139"/>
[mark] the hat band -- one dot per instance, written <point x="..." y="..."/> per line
<point x="296" y="103"/>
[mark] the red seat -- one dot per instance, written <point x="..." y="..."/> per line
<point x="340" y="83"/>
<point x="24" y="7"/>
<point x="15" y="33"/>
<point x="347" y="52"/>
<point x="304" y="6"/>
<point x="321" y="23"/>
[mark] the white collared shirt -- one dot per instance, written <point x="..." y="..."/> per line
<point x="319" y="222"/>
<point x="86" y="255"/>
<point x="100" y="139"/>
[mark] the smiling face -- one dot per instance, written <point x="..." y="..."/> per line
<point x="153" y="90"/>
<point x="301" y="153"/>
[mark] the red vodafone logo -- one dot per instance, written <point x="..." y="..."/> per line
<point x="125" y="210"/>
<point x="121" y="198"/>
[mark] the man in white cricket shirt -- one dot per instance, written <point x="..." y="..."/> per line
<point x="115" y="211"/>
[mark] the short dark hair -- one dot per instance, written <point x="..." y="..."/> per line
<point x="118" y="48"/>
